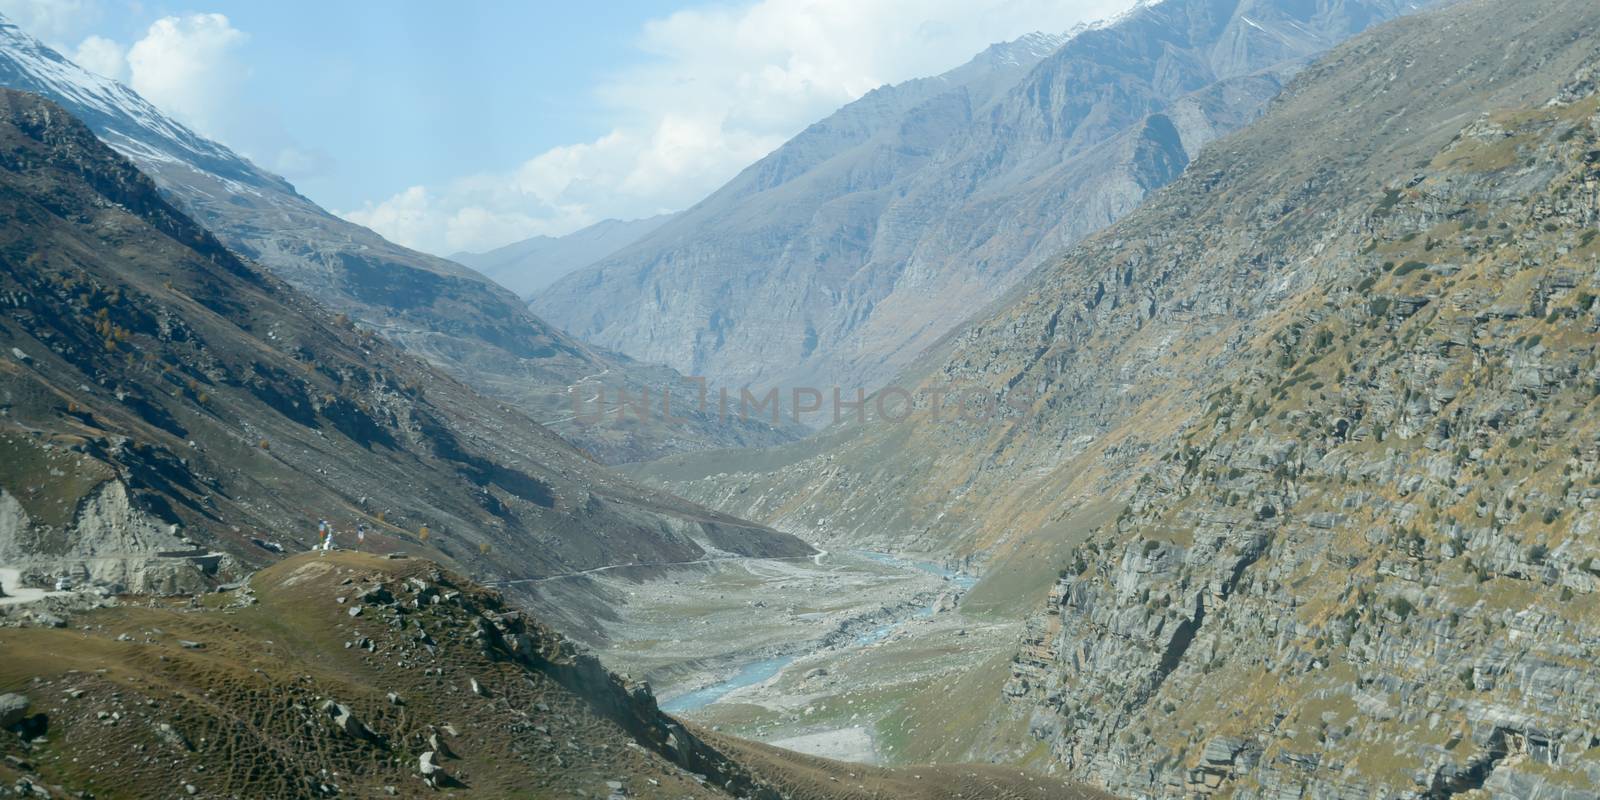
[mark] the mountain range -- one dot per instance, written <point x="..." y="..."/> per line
<point x="845" y="253"/>
<point x="1296" y="460"/>
<point x="175" y="415"/>
<point x="450" y="315"/>
<point x="1249" y="372"/>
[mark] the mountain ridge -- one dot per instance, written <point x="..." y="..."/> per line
<point x="837" y="259"/>
<point x="174" y="415"/>
<point x="448" y="314"/>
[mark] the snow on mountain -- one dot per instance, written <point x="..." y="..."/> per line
<point x="126" y="121"/>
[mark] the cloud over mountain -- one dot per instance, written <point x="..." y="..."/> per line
<point x="721" y="87"/>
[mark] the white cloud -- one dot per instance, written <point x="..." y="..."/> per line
<point x="53" y="21"/>
<point x="188" y="67"/>
<point x="101" y="55"/>
<point x="191" y="67"/>
<point x="724" y="86"/>
<point x="398" y="215"/>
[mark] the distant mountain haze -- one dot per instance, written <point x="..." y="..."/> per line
<point x="532" y="264"/>
<point x="852" y="248"/>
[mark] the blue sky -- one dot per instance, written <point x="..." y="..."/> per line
<point x="397" y="98"/>
<point x="373" y="88"/>
<point x="471" y="125"/>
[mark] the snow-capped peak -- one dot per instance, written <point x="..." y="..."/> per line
<point x="126" y="121"/>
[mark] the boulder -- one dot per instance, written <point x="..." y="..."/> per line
<point x="433" y="774"/>
<point x="346" y="722"/>
<point x="13" y="707"/>
<point x="1222" y="750"/>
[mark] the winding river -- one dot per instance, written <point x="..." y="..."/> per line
<point x="765" y="669"/>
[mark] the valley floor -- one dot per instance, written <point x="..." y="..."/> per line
<point x="354" y="675"/>
<point x="830" y="657"/>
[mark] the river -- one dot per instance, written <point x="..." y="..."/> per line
<point x="765" y="669"/>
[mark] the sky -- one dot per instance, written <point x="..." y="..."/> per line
<point x="466" y="126"/>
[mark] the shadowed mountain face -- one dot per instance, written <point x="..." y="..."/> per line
<point x="451" y="316"/>
<point x="532" y="264"/>
<point x="167" y="405"/>
<point x="849" y="250"/>
<point x="1301" y="455"/>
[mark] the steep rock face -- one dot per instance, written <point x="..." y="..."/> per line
<point x="843" y="255"/>
<point x="455" y="318"/>
<point x="1369" y="567"/>
<point x="1319" y="419"/>
<point x="164" y="399"/>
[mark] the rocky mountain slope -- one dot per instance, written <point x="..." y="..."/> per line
<point x="532" y="264"/>
<point x="841" y="256"/>
<point x="1318" y="419"/>
<point x="358" y="676"/>
<point x="453" y="317"/>
<point x="169" y="411"/>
